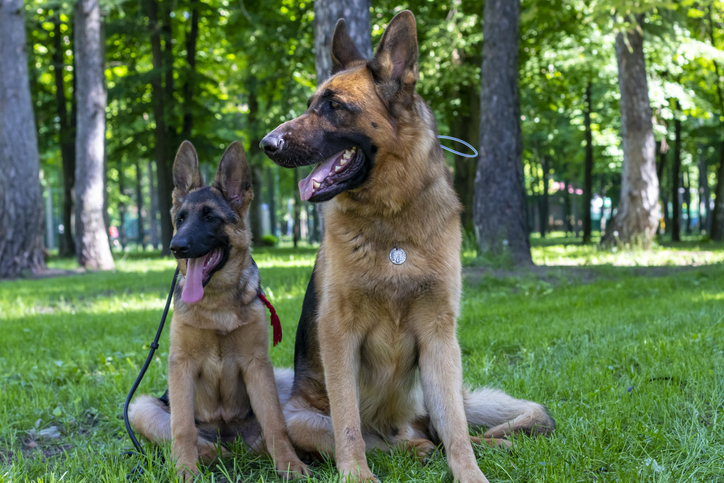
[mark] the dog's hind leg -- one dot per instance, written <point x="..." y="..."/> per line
<point x="505" y="415"/>
<point x="150" y="417"/>
<point x="311" y="431"/>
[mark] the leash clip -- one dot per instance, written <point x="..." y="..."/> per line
<point x="458" y="152"/>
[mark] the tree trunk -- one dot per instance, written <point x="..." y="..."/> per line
<point x="704" y="194"/>
<point x="662" y="149"/>
<point x="188" y="90"/>
<point x="153" y="208"/>
<point x="67" y="141"/>
<point x="717" y="221"/>
<point x="544" y="196"/>
<point x="139" y="205"/>
<point x="535" y="199"/>
<point x="638" y="208"/>
<point x="296" y="229"/>
<point x="272" y="205"/>
<point x="687" y="199"/>
<point x="499" y="199"/>
<point x="158" y="97"/>
<point x="122" y="235"/>
<point x="588" y="169"/>
<point x="676" y="179"/>
<point x="255" y="157"/>
<point x="49" y="238"/>
<point x="356" y="14"/>
<point x="468" y="128"/>
<point x="92" y="248"/>
<point x="21" y="194"/>
<point x="567" y="213"/>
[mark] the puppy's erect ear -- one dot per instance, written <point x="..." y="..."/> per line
<point x="186" y="174"/>
<point x="344" y="51"/>
<point x="394" y="65"/>
<point x="233" y="178"/>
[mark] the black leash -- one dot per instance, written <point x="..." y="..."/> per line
<point x="154" y="346"/>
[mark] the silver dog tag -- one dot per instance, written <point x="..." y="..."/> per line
<point x="398" y="256"/>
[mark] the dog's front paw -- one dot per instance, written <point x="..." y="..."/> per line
<point x="358" y="475"/>
<point x="186" y="474"/>
<point x="471" y="475"/>
<point x="292" y="468"/>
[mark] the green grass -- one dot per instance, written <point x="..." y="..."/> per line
<point x="628" y="358"/>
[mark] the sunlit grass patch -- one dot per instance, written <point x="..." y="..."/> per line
<point x="630" y="366"/>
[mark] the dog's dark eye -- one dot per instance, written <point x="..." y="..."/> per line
<point x="180" y="218"/>
<point x="209" y="217"/>
<point x="334" y="105"/>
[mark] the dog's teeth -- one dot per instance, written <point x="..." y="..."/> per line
<point x="337" y="168"/>
<point x="343" y="161"/>
<point x="347" y="154"/>
<point x="316" y="184"/>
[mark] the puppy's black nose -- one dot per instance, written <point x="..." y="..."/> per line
<point x="271" y="143"/>
<point x="179" y="247"/>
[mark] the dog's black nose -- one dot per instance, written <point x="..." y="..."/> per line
<point x="179" y="247"/>
<point x="271" y="143"/>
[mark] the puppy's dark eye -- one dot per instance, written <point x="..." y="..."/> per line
<point x="180" y="218"/>
<point x="209" y="218"/>
<point x="334" y="105"/>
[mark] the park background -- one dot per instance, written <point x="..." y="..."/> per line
<point x="603" y="303"/>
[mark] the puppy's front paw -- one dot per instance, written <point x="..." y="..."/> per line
<point x="472" y="476"/>
<point x="186" y="474"/>
<point x="358" y="475"/>
<point x="292" y="468"/>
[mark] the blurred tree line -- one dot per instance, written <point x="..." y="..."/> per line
<point x="213" y="71"/>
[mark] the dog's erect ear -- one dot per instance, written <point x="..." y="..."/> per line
<point x="186" y="174"/>
<point x="233" y="178"/>
<point x="344" y="51"/>
<point x="394" y="65"/>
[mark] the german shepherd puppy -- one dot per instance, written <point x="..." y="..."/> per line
<point x="377" y="362"/>
<point x="221" y="384"/>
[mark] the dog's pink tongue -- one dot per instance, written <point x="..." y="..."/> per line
<point x="320" y="171"/>
<point x="193" y="288"/>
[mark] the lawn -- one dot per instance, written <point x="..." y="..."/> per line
<point x="626" y="350"/>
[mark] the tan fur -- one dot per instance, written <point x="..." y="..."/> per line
<point x="384" y="366"/>
<point x="219" y="368"/>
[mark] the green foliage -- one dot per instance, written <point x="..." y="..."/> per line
<point x="269" y="241"/>
<point x="255" y="69"/>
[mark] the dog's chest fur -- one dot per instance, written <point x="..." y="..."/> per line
<point x="380" y="300"/>
<point x="209" y="336"/>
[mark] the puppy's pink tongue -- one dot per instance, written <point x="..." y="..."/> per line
<point x="193" y="288"/>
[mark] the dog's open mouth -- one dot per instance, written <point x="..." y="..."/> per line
<point x="198" y="274"/>
<point x="329" y="174"/>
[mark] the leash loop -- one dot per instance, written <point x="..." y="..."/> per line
<point x="464" y="155"/>
<point x="154" y="345"/>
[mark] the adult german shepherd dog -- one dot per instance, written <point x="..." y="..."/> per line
<point x="221" y="384"/>
<point x="377" y="362"/>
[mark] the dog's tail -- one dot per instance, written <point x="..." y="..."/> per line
<point x="504" y="414"/>
<point x="285" y="379"/>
